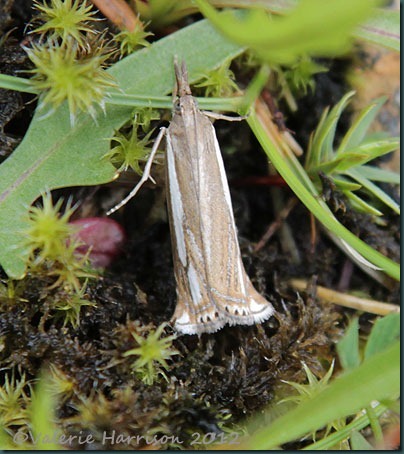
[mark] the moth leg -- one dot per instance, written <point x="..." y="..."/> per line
<point x="218" y="116"/>
<point x="146" y="174"/>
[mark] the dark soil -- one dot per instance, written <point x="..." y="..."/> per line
<point x="237" y="371"/>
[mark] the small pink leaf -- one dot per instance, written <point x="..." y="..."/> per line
<point x="103" y="236"/>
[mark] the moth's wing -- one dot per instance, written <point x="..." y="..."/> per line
<point x="195" y="312"/>
<point x="212" y="286"/>
<point x="238" y="298"/>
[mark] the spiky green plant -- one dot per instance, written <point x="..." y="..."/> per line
<point x="69" y="306"/>
<point x="48" y="230"/>
<point x="143" y="116"/>
<point x="129" y="41"/>
<point x="59" y="384"/>
<point x="14" y="400"/>
<point x="64" y="19"/>
<point x="66" y="72"/>
<point x="152" y="351"/>
<point x="299" y="75"/>
<point x="129" y="150"/>
<point x="219" y="82"/>
<point x="53" y="247"/>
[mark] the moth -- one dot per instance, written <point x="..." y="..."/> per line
<point x="213" y="288"/>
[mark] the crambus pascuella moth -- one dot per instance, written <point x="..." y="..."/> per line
<point x="213" y="288"/>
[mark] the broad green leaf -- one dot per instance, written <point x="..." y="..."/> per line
<point x="348" y="346"/>
<point x="374" y="190"/>
<point x="382" y="28"/>
<point x="314" y="27"/>
<point x="378" y="174"/>
<point x="378" y="378"/>
<point x="359" y="443"/>
<point x="385" y="332"/>
<point x="54" y="155"/>
<point x="360" y="126"/>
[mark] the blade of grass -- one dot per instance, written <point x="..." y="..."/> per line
<point x="16" y="83"/>
<point x="360" y="205"/>
<point x="378" y="174"/>
<point x="360" y="126"/>
<point x="375" y="190"/>
<point x="342" y="434"/>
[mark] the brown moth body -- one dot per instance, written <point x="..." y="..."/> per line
<point x="213" y="288"/>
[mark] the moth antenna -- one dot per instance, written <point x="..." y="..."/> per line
<point x="181" y="75"/>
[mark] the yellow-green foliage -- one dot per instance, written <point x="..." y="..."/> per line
<point x="65" y="72"/>
<point x="219" y="82"/>
<point x="129" y="150"/>
<point x="152" y="352"/>
<point x="132" y="40"/>
<point x="64" y="19"/>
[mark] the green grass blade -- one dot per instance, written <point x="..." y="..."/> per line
<point x="323" y="140"/>
<point x="313" y="201"/>
<point x="53" y="154"/>
<point x="377" y="174"/>
<point x="377" y="378"/>
<point x="374" y="190"/>
<point x="363" y="153"/>
<point x="342" y="434"/>
<point x="369" y="150"/>
<point x="360" y="126"/>
<point x="313" y="157"/>
<point x="16" y="83"/>
<point x="361" y="205"/>
<point x="345" y="185"/>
